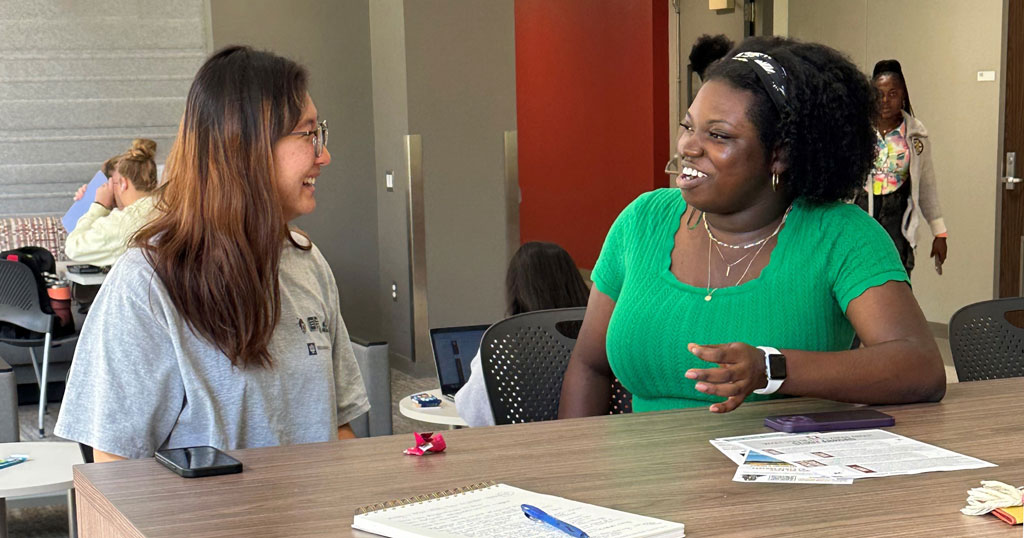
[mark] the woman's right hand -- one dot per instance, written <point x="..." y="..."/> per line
<point x="105" y="195"/>
<point x="81" y="192"/>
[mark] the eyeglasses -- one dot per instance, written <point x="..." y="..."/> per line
<point x="319" y="137"/>
<point x="674" y="166"/>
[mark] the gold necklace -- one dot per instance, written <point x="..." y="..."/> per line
<point x="728" y="245"/>
<point x="711" y="291"/>
<point x="728" y="266"/>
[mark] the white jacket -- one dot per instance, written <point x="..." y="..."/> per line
<point x="924" y="196"/>
<point x="101" y="236"/>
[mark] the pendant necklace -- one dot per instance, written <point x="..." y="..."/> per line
<point x="729" y="266"/>
<point x="712" y="241"/>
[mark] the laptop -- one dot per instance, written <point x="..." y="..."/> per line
<point x="454" y="348"/>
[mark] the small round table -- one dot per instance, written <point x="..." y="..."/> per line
<point x="48" y="470"/>
<point x="442" y="414"/>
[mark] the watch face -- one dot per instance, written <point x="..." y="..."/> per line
<point x="776" y="366"/>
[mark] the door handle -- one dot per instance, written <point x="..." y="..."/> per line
<point x="1011" y="169"/>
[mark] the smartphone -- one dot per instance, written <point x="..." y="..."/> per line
<point x="84" y="269"/>
<point x="197" y="461"/>
<point x="854" y="419"/>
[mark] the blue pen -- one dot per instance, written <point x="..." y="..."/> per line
<point x="532" y="512"/>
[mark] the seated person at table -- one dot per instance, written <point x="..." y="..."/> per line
<point x="123" y="204"/>
<point x="756" y="255"/>
<point x="221" y="325"/>
<point x="540" y="276"/>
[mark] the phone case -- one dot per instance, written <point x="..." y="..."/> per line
<point x="84" y="269"/>
<point x="830" y="421"/>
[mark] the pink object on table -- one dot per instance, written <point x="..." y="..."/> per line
<point x="425" y="443"/>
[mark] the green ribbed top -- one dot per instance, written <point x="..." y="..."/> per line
<point x="825" y="256"/>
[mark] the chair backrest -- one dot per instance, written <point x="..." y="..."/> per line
<point x="19" y="298"/>
<point x="524" y="358"/>
<point x="984" y="343"/>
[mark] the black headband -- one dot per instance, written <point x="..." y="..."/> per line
<point x="771" y="73"/>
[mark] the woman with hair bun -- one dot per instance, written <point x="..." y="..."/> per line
<point x="750" y="280"/>
<point x="221" y="326"/>
<point x="900" y="188"/>
<point x="123" y="204"/>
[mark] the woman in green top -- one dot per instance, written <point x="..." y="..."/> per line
<point x="757" y="276"/>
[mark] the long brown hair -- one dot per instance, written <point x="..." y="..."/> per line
<point x="138" y="166"/>
<point x="542" y="276"/>
<point x="217" y="238"/>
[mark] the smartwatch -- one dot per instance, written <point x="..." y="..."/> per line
<point x="775" y="367"/>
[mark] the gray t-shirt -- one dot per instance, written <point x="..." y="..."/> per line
<point x="141" y="380"/>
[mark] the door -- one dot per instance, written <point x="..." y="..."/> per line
<point x="1011" y="247"/>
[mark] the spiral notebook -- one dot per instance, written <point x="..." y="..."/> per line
<point x="489" y="509"/>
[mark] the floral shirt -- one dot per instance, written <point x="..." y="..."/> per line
<point x="892" y="163"/>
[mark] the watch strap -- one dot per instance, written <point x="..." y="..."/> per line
<point x="773" y="384"/>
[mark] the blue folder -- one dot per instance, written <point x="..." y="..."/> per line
<point x="79" y="208"/>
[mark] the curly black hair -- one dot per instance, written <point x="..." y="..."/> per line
<point x="895" y="70"/>
<point x="706" y="50"/>
<point x="824" y="130"/>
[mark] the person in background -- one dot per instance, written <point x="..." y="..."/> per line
<point x="221" y="325"/>
<point x="761" y="287"/>
<point x="706" y="50"/>
<point x="901" y="188"/>
<point x="123" y="204"/>
<point x="541" y="276"/>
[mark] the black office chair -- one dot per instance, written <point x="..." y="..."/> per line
<point x="524" y="359"/>
<point x="984" y="342"/>
<point x="20" y="306"/>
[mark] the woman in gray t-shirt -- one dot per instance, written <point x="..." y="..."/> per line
<point x="221" y="325"/>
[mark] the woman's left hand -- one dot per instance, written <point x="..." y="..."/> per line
<point x="939" y="249"/>
<point x="740" y="371"/>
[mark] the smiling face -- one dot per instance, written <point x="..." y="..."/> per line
<point x="890" y="97"/>
<point x="725" y="167"/>
<point x="296" y="166"/>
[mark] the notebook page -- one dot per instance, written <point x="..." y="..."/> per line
<point x="496" y="512"/>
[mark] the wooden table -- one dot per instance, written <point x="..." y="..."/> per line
<point x="442" y="414"/>
<point x="656" y="464"/>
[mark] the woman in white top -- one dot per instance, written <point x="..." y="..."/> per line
<point x="122" y="205"/>
<point x="540" y="276"/>
<point x="221" y="325"/>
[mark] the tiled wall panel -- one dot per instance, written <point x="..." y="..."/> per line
<point x="80" y="80"/>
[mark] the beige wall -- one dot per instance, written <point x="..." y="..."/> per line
<point x="391" y="123"/>
<point x="693" y="20"/>
<point x="445" y="70"/>
<point x="462" y="98"/>
<point x="942" y="44"/>
<point x="332" y="40"/>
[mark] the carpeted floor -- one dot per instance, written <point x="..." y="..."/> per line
<point x="38" y="522"/>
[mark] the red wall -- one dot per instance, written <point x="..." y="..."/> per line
<point x="592" y="104"/>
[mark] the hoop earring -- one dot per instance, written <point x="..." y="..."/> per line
<point x="775" y="182"/>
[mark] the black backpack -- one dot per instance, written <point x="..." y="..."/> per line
<point x="40" y="261"/>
